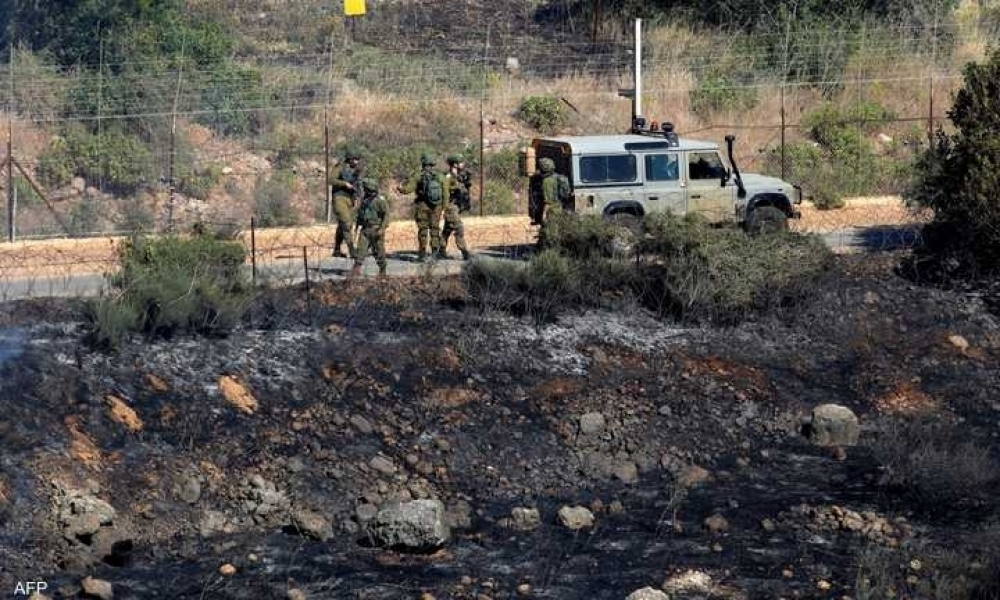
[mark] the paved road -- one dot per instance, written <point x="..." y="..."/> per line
<point x="289" y="270"/>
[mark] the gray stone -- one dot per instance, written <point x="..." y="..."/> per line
<point x="82" y="514"/>
<point x="312" y="525"/>
<point x="833" y="425"/>
<point x="459" y="515"/>
<point x="383" y="465"/>
<point x="576" y="517"/>
<point x="647" y="593"/>
<point x="716" y="524"/>
<point x="525" y="519"/>
<point x="689" y="582"/>
<point x="362" y="424"/>
<point x="190" y="491"/>
<point x="295" y="594"/>
<point x="365" y="512"/>
<point x="592" y="423"/>
<point x="97" y="588"/>
<point x="417" y="525"/>
<point x="627" y="472"/>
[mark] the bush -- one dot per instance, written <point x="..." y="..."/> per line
<point x="116" y="161"/>
<point x="272" y="200"/>
<point x="499" y="199"/>
<point x="545" y="113"/>
<point x="958" y="178"/>
<point x="172" y="285"/>
<point x="718" y="93"/>
<point x="934" y="463"/>
<point x="198" y="182"/>
<point x="723" y="275"/>
<point x="686" y="270"/>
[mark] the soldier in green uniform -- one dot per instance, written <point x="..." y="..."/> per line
<point x="373" y="218"/>
<point x="430" y="188"/>
<point x="555" y="190"/>
<point x="346" y="189"/>
<point x="459" y="200"/>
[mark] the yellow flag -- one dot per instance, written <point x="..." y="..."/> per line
<point x="354" y="8"/>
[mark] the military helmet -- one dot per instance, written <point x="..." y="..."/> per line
<point x="546" y="164"/>
<point x="352" y="154"/>
<point x="454" y="159"/>
<point x="369" y="184"/>
<point x="428" y="160"/>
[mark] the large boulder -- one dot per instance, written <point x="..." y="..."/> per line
<point x="576" y="517"/>
<point x="832" y="425"/>
<point x="417" y="526"/>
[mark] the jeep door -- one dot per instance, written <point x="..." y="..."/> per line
<point x="607" y="183"/>
<point x="664" y="190"/>
<point x="705" y="193"/>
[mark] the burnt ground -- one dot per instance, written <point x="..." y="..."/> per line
<point x="482" y="411"/>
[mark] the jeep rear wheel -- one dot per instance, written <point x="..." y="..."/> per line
<point x="764" y="220"/>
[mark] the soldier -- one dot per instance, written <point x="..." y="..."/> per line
<point x="553" y="189"/>
<point x="372" y="219"/>
<point x="459" y="184"/>
<point x="430" y="188"/>
<point x="346" y="189"/>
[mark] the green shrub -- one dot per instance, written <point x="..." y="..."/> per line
<point x="116" y="161"/>
<point x="272" y="200"/>
<point x="84" y="217"/>
<point x="173" y="285"/>
<point x="958" y="177"/>
<point x="293" y="146"/>
<point x="545" y="113"/>
<point x="719" y="93"/>
<point x="230" y="94"/>
<point x="580" y="236"/>
<point x="198" y="182"/>
<point x="499" y="199"/>
<point x="710" y="274"/>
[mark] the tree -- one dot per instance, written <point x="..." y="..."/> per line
<point x="959" y="177"/>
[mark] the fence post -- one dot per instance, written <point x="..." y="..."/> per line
<point x="783" y="160"/>
<point x="305" y="269"/>
<point x="11" y="210"/>
<point x="253" y="250"/>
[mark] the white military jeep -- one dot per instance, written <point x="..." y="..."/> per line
<point x="625" y="177"/>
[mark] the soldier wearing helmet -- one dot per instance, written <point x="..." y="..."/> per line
<point x="346" y="190"/>
<point x="550" y="193"/>
<point x="373" y="218"/>
<point x="431" y="191"/>
<point x="458" y="200"/>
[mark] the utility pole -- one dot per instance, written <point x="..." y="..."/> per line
<point x="173" y="141"/>
<point x="637" y="98"/>
<point x="11" y="194"/>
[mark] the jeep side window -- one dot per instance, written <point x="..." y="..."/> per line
<point x="619" y="168"/>
<point x="705" y="165"/>
<point x="662" y="167"/>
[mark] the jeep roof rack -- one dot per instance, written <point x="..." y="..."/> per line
<point x="665" y="131"/>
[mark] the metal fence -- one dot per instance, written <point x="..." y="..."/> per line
<point x="260" y="140"/>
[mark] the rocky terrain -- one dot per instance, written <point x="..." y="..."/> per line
<point x="386" y="440"/>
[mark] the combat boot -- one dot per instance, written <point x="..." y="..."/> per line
<point x="381" y="271"/>
<point x="442" y="254"/>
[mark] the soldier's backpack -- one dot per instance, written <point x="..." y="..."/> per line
<point x="563" y="190"/>
<point x="431" y="190"/>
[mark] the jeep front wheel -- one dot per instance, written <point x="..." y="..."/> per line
<point x="765" y="220"/>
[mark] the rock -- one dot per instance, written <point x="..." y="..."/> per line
<point x="362" y="424"/>
<point x="647" y="593"/>
<point x="227" y="570"/>
<point x="525" y="519"/>
<point x="97" y="588"/>
<point x="823" y="585"/>
<point x="597" y="465"/>
<point x="383" y="465"/>
<point x="295" y="594"/>
<point x="693" y="475"/>
<point x="871" y="298"/>
<point x="576" y="517"/>
<point x="833" y="425"/>
<point x="689" y="582"/>
<point x="716" y="524"/>
<point x="190" y="491"/>
<point x="627" y="472"/>
<point x="265" y="503"/>
<point x="524" y="589"/>
<point x="418" y="525"/>
<point x="214" y="522"/>
<point x="958" y="342"/>
<point x="312" y="525"/>
<point x="768" y="525"/>
<point x="365" y="512"/>
<point x="122" y="413"/>
<point x="592" y="423"/>
<point x="82" y="515"/>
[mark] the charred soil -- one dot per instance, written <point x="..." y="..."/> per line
<point x="270" y="450"/>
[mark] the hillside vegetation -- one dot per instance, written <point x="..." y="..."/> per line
<point x="146" y="114"/>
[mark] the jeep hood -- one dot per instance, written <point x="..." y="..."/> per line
<point x="763" y="183"/>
